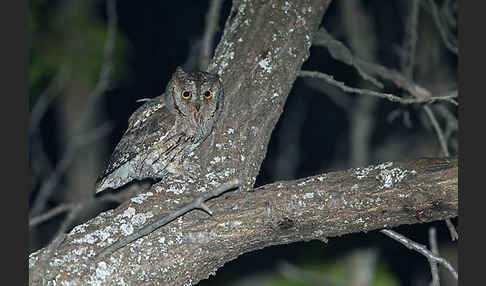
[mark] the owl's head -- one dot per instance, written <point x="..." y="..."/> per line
<point x="196" y="99"/>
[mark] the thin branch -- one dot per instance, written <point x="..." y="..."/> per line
<point x="452" y="230"/>
<point x="212" y="20"/>
<point x="422" y="249"/>
<point x="438" y="130"/>
<point x="197" y="203"/>
<point x="340" y="98"/>
<point x="39" y="161"/>
<point x="52" y="181"/>
<point x="50" y="214"/>
<point x="106" y="68"/>
<point x="449" y="43"/>
<point x="50" y="184"/>
<point x="341" y="53"/>
<point x="448" y="13"/>
<point x="341" y="85"/>
<point x="410" y="40"/>
<point x="433" y="265"/>
<point x="450" y="120"/>
<point x="45" y="99"/>
<point x="445" y="150"/>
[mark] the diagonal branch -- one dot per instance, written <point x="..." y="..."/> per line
<point x="422" y="249"/>
<point x="197" y="203"/>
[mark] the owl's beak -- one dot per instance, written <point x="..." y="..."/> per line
<point x="198" y="106"/>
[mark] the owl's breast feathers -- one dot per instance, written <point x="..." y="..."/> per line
<point x="150" y="128"/>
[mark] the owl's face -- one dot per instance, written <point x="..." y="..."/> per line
<point x="196" y="99"/>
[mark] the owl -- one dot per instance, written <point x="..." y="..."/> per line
<point x="165" y="130"/>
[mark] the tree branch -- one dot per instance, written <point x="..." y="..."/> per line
<point x="318" y="207"/>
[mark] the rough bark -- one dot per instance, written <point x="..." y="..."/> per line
<point x="262" y="49"/>
<point x="196" y="245"/>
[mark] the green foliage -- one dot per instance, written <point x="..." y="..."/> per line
<point x="336" y="273"/>
<point x="67" y="35"/>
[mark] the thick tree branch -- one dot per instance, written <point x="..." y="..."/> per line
<point x="190" y="248"/>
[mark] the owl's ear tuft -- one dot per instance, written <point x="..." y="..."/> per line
<point x="179" y="72"/>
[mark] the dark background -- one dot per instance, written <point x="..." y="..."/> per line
<point x="313" y="135"/>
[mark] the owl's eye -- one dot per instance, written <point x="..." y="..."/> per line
<point x="208" y="94"/>
<point x="186" y="94"/>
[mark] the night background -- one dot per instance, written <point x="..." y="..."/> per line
<point x="322" y="129"/>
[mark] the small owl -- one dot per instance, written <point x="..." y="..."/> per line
<point x="162" y="132"/>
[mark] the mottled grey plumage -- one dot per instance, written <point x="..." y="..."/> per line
<point x="162" y="132"/>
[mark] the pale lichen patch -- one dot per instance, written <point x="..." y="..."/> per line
<point x="308" y="195"/>
<point x="390" y="177"/>
<point x="78" y="229"/>
<point x="97" y="235"/>
<point x="80" y="251"/>
<point x="161" y="240"/>
<point x="197" y="237"/>
<point x="140" y="218"/>
<point x="101" y="273"/>
<point x="129" y="212"/>
<point x="175" y="190"/>
<point x="265" y="65"/>
<point x="33" y="258"/>
<point x="126" y="229"/>
<point x="141" y="197"/>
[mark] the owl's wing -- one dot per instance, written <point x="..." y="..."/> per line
<point x="150" y="123"/>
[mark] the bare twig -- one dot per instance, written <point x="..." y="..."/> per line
<point x="438" y="130"/>
<point x="212" y="19"/>
<point x="329" y="79"/>
<point x="45" y="99"/>
<point x="49" y="185"/>
<point x="447" y="38"/>
<point x="52" y="181"/>
<point x="445" y="150"/>
<point x="410" y="40"/>
<point x="197" y="203"/>
<point x="106" y="68"/>
<point x="50" y="214"/>
<point x="39" y="162"/>
<point x="448" y="13"/>
<point x="340" y="98"/>
<point x="433" y="265"/>
<point x="341" y="53"/>
<point x="422" y="249"/>
<point x="450" y="120"/>
<point x="452" y="230"/>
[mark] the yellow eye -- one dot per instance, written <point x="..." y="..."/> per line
<point x="208" y="94"/>
<point x="186" y="94"/>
